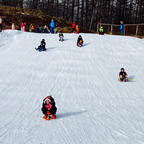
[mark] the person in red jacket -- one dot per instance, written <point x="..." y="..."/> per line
<point x="73" y="27"/>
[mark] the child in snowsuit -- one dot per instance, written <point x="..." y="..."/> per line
<point x="123" y="77"/>
<point x="77" y="29"/>
<point x="48" y="108"/>
<point x="0" y="24"/>
<point x="79" y="41"/>
<point x="42" y="46"/>
<point x="101" y="31"/>
<point x="61" y="36"/>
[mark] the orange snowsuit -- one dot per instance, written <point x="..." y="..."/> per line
<point x="77" y="29"/>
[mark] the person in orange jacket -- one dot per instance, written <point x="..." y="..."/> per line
<point x="33" y="28"/>
<point x="77" y="29"/>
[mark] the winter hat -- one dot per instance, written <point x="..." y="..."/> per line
<point x="47" y="99"/>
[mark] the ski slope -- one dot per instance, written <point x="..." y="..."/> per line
<point x="93" y="106"/>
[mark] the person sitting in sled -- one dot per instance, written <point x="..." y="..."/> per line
<point x="48" y="108"/>
<point x="79" y="41"/>
<point x="42" y="46"/>
<point x="123" y="77"/>
<point x="61" y="36"/>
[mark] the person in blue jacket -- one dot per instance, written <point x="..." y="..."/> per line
<point x="122" y="28"/>
<point x="52" y="26"/>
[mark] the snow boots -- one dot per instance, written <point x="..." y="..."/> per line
<point x="48" y="116"/>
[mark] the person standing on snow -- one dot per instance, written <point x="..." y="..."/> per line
<point x="23" y="25"/>
<point x="101" y="30"/>
<point x="122" y="28"/>
<point x="13" y="26"/>
<point x="48" y="108"/>
<point x="52" y="26"/>
<point x="73" y="27"/>
<point x="77" y="29"/>
<point x="0" y="24"/>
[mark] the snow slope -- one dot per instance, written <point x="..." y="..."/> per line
<point x="93" y="106"/>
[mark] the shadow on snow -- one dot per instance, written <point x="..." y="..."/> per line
<point x="69" y="114"/>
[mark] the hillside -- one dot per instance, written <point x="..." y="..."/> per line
<point x="30" y="16"/>
<point x="93" y="106"/>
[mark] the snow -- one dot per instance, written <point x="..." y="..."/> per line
<point x="93" y="106"/>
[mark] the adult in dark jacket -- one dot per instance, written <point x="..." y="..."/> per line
<point x="123" y="75"/>
<point x="48" y="108"/>
<point x="79" y="41"/>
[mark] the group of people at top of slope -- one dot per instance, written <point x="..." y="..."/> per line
<point x="54" y="29"/>
<point x="101" y="29"/>
<point x="75" y="28"/>
<point x="45" y="29"/>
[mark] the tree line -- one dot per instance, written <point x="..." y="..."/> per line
<point x="87" y="13"/>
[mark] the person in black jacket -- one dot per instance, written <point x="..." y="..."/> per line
<point x="48" y="108"/>
<point x="42" y="46"/>
<point x="123" y="75"/>
<point x="80" y="41"/>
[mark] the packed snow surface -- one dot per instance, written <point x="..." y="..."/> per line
<point x="93" y="106"/>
